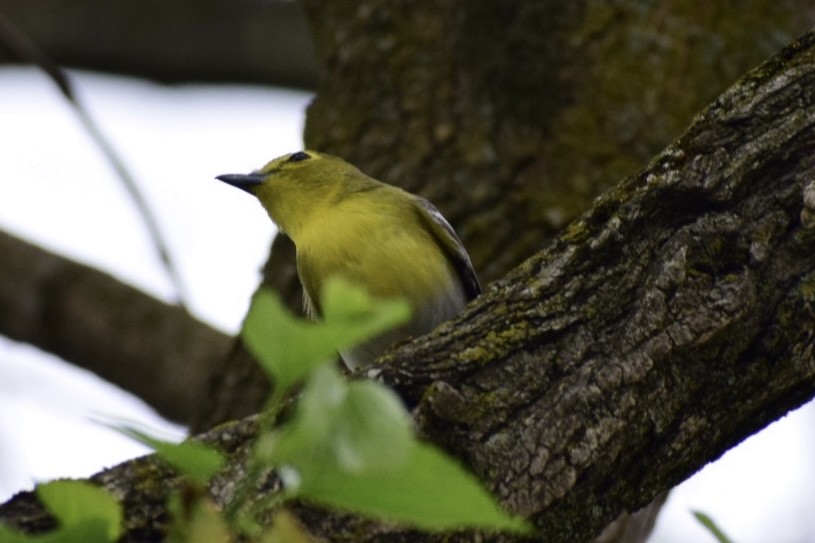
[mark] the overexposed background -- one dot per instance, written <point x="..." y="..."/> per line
<point x="57" y="191"/>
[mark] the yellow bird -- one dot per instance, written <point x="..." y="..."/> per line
<point x="391" y="242"/>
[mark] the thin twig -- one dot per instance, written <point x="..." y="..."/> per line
<point x="28" y="51"/>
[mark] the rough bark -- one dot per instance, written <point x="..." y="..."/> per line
<point x="672" y="321"/>
<point x="162" y="354"/>
<point x="265" y="41"/>
<point x="667" y="324"/>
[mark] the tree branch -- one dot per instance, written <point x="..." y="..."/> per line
<point x="185" y="40"/>
<point x="667" y="324"/>
<point x="162" y="354"/>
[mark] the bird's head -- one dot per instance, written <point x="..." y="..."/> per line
<point x="292" y="186"/>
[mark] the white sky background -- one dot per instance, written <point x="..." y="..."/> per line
<point x="57" y="190"/>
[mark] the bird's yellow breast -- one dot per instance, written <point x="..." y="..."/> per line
<point x="383" y="247"/>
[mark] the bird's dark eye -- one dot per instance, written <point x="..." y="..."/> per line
<point x="299" y="157"/>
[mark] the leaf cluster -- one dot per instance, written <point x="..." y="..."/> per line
<point x="348" y="445"/>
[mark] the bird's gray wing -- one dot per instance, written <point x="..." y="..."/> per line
<point x="452" y="245"/>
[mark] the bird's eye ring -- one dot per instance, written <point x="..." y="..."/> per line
<point x="299" y="156"/>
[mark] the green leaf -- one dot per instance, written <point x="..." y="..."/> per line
<point x="198" y="461"/>
<point x="7" y="535"/>
<point x="429" y="490"/>
<point x="196" y="519"/>
<point x="86" y="531"/>
<point x="350" y="445"/>
<point x="351" y="316"/>
<point x="85" y="512"/>
<point x="285" y="529"/>
<point x="289" y="348"/>
<point x="355" y="427"/>
<point x="91" y="530"/>
<point x="708" y="523"/>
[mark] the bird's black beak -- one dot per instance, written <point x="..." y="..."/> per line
<point x="246" y="182"/>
